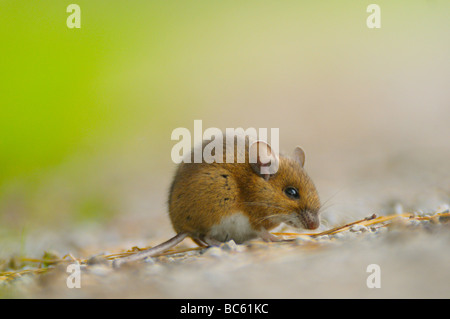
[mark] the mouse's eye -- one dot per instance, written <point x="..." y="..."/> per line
<point x="292" y="192"/>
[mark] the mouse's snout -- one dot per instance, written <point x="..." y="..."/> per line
<point x="306" y="219"/>
<point x="310" y="219"/>
<point x="312" y="224"/>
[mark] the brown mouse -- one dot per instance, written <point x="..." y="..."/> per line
<point x="217" y="202"/>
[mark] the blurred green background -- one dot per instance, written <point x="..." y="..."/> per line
<point x="86" y="114"/>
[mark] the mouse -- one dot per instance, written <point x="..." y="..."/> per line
<point x="217" y="201"/>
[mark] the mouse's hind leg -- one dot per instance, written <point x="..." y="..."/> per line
<point x="200" y="242"/>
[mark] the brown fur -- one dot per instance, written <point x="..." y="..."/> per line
<point x="202" y="194"/>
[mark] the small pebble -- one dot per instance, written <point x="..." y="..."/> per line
<point x="338" y="235"/>
<point x="170" y="259"/>
<point x="165" y="259"/>
<point x="359" y="228"/>
<point x="413" y="222"/>
<point x="97" y="260"/>
<point x="214" y="252"/>
<point x="323" y="237"/>
<point x="232" y="246"/>
<point x="420" y="213"/>
<point x="150" y="260"/>
<point x="442" y="209"/>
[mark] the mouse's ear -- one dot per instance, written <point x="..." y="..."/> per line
<point x="299" y="155"/>
<point x="263" y="159"/>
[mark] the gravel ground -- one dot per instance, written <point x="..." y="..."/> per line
<point x="412" y="254"/>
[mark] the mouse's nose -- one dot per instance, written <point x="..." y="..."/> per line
<point x="312" y="224"/>
<point x="311" y="220"/>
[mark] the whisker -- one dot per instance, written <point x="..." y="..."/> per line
<point x="333" y="195"/>
<point x="284" y="217"/>
<point x="264" y="204"/>
<point x="325" y="207"/>
<point x="260" y="220"/>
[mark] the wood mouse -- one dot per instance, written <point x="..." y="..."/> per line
<point x="217" y="202"/>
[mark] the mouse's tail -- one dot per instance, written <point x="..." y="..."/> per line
<point x="175" y="240"/>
